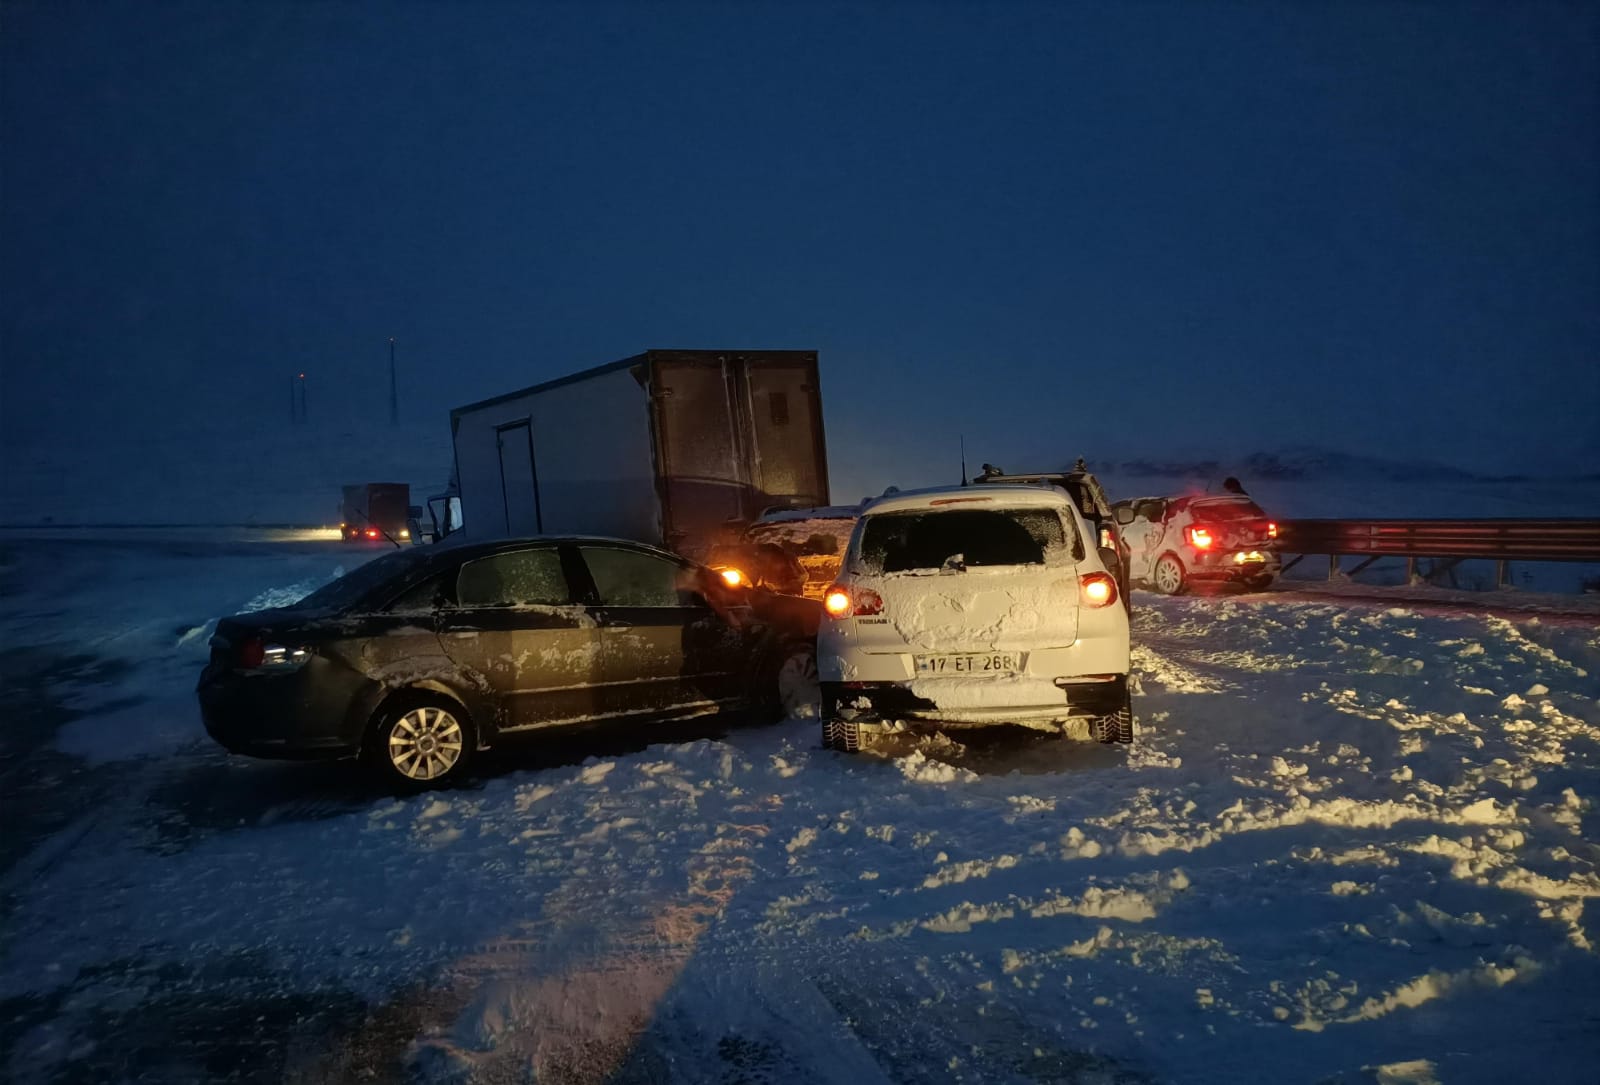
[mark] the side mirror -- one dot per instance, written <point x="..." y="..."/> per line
<point x="1124" y="514"/>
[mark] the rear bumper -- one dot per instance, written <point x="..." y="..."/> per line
<point x="1225" y="566"/>
<point x="971" y="704"/>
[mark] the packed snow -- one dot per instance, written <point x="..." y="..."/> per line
<point x="1353" y="841"/>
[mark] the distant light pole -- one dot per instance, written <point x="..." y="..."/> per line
<point x="394" y="395"/>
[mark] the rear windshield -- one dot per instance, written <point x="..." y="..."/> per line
<point x="354" y="586"/>
<point x="898" y="542"/>
<point x="1227" y="510"/>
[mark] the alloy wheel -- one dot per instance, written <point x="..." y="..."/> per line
<point x="425" y="743"/>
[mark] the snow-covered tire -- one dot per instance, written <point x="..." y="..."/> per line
<point x="1168" y="576"/>
<point x="1117" y="727"/>
<point x="846" y="736"/>
<point x="418" y="741"/>
<point x="1259" y="583"/>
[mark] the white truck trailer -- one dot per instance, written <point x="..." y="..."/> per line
<point x="674" y="447"/>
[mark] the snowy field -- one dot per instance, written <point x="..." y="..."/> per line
<point x="1355" y="841"/>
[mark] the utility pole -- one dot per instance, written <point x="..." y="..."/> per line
<point x="394" y="395"/>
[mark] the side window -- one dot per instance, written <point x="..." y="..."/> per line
<point x="418" y="600"/>
<point x="520" y="577"/>
<point x="627" y="578"/>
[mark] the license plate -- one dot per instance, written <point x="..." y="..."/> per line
<point x="992" y="663"/>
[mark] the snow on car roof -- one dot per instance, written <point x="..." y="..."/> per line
<point x="990" y="494"/>
<point x="826" y="512"/>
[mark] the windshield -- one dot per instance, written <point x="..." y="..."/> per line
<point x="897" y="542"/>
<point x="1219" y="511"/>
<point x="356" y="585"/>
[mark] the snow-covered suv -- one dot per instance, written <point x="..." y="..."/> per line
<point x="1173" y="542"/>
<point x="964" y="606"/>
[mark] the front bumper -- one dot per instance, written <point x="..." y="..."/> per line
<point x="298" y="715"/>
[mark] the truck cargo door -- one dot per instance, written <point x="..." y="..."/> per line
<point x="787" y="467"/>
<point x="519" y="482"/>
<point x="701" y="462"/>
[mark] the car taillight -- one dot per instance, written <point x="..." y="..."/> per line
<point x="252" y="653"/>
<point x="1097" y="589"/>
<point x="372" y="533"/>
<point x="1272" y="530"/>
<point x="1199" y="537"/>
<point x="732" y="577"/>
<point x="839" y="603"/>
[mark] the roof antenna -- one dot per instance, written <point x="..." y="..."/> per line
<point x="963" y="459"/>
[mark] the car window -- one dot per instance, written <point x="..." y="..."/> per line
<point x="1226" y="510"/>
<point x="418" y="599"/>
<point x="515" y="578"/>
<point x="895" y="542"/>
<point x="627" y="578"/>
<point x="363" y="582"/>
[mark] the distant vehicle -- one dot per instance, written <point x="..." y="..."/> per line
<point x="671" y="447"/>
<point x="418" y="659"/>
<point x="1090" y="499"/>
<point x="376" y="512"/>
<point x="1174" y="542"/>
<point x="791" y="551"/>
<point x="965" y="606"/>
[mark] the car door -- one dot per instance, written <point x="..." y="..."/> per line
<point x="513" y="624"/>
<point x="663" y="649"/>
<point x="1136" y="538"/>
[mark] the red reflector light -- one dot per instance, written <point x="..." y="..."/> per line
<point x="1200" y="537"/>
<point x="252" y="653"/>
<point x="1097" y="589"/>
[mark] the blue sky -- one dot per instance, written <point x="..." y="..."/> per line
<point x="1131" y="228"/>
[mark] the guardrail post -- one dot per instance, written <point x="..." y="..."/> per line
<point x="1333" y="566"/>
<point x="1411" y="570"/>
<point x="1502" y="574"/>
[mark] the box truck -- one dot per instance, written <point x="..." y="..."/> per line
<point x="376" y="510"/>
<point x="681" y="448"/>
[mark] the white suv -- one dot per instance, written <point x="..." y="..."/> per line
<point x="973" y="605"/>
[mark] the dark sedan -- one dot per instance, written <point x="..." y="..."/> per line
<point x="421" y="657"/>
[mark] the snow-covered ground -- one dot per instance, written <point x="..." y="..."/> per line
<point x="1354" y="841"/>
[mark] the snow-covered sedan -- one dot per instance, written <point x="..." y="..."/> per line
<point x="421" y="657"/>
<point x="1173" y="542"/>
<point x="966" y="606"/>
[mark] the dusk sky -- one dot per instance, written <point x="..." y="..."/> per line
<point x="1054" y="228"/>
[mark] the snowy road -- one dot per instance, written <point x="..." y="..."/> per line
<point x="1350" y="836"/>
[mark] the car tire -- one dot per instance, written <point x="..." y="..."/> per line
<point x="845" y="736"/>
<point x="420" y="741"/>
<point x="1168" y="576"/>
<point x="1114" y="728"/>
<point x="1259" y="583"/>
<point x="796" y="693"/>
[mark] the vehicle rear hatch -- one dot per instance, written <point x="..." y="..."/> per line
<point x="1235" y="523"/>
<point x="969" y="580"/>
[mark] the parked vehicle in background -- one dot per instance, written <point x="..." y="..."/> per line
<point x="1174" y="542"/>
<point x="792" y="551"/>
<point x="376" y="512"/>
<point x="1090" y="499"/>
<point x="670" y="447"/>
<point x="965" y="606"/>
<point x="418" y="659"/>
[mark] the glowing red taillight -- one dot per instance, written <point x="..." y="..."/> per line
<point x="372" y="533"/>
<point x="1199" y="537"/>
<point x="1272" y="530"/>
<point x="1097" y="589"/>
<point x="839" y="603"/>
<point x="252" y="653"/>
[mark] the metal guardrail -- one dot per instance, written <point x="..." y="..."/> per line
<point x="1449" y="541"/>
